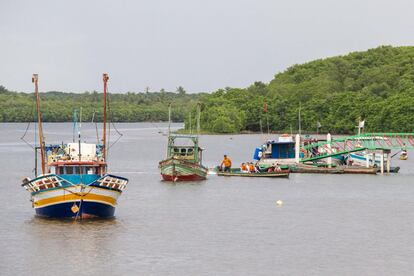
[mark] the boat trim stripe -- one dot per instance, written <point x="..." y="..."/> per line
<point x="73" y="197"/>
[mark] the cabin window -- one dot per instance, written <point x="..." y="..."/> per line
<point x="77" y="170"/>
<point x="283" y="150"/>
<point x="91" y="170"/>
<point x="183" y="151"/>
<point x="69" y="170"/>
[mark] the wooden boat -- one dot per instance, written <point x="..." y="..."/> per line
<point x="184" y="158"/>
<point x="74" y="181"/>
<point x="238" y="172"/>
<point x="183" y="163"/>
<point x="360" y="170"/>
<point x="392" y="169"/>
<point x="301" y="168"/>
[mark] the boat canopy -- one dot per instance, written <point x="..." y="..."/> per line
<point x="281" y="148"/>
<point x="184" y="147"/>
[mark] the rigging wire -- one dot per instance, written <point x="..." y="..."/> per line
<point x="27" y="129"/>
<point x="113" y="125"/>
<point x="96" y="126"/>
<point x="22" y="138"/>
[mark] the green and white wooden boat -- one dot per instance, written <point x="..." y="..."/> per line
<point x="238" y="172"/>
<point x="184" y="157"/>
<point x="183" y="162"/>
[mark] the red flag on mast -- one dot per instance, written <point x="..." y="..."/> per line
<point x="265" y="108"/>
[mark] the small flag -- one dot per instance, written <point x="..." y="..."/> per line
<point x="265" y="108"/>
<point x="318" y="124"/>
<point x="361" y="124"/>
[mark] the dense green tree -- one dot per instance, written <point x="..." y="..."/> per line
<point x="180" y="90"/>
<point x="129" y="107"/>
<point x="376" y="85"/>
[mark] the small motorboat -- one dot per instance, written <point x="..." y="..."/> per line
<point x="238" y="172"/>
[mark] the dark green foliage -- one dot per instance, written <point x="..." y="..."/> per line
<point x="376" y="85"/>
<point x="129" y="107"/>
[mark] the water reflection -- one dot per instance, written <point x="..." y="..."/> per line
<point x="221" y="226"/>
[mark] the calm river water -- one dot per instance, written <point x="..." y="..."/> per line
<point x="328" y="224"/>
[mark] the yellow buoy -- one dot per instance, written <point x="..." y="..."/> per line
<point x="74" y="208"/>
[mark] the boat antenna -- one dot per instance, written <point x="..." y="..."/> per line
<point x="35" y="79"/>
<point x="105" y="80"/>
<point x="300" y="106"/>
<point x="169" y="119"/>
<point x="265" y="108"/>
<point x="189" y="118"/>
<point x="198" y="118"/>
<point x="261" y="129"/>
<point x="75" y="123"/>
<point x="96" y="126"/>
<point x="79" y="133"/>
<point x="268" y="128"/>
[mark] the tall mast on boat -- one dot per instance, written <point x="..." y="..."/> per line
<point x="105" y="80"/>
<point x="35" y="79"/>
<point x="300" y="127"/>
<point x="79" y="135"/>
<point x="198" y="118"/>
<point x="169" y="119"/>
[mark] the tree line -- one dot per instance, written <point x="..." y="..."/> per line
<point x="129" y="107"/>
<point x="334" y="93"/>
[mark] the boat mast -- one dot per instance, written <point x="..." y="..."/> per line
<point x="105" y="80"/>
<point x="198" y="118"/>
<point x="79" y="135"/>
<point x="35" y="79"/>
<point x="300" y="128"/>
<point x="169" y="119"/>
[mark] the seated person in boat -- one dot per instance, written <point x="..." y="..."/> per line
<point x="225" y="164"/>
<point x="349" y="161"/>
<point x="252" y="168"/>
<point x="244" y="168"/>
<point x="274" y="168"/>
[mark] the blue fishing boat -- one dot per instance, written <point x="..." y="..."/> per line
<point x="74" y="180"/>
<point x="280" y="151"/>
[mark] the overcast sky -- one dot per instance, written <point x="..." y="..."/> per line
<point x="200" y="45"/>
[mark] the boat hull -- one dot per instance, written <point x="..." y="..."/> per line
<point x="78" y="201"/>
<point x="300" y="168"/>
<point x="191" y="177"/>
<point x="87" y="210"/>
<point x="360" y="170"/>
<point x="239" y="173"/>
<point x="277" y="174"/>
<point x="361" y="160"/>
<point x="175" y="170"/>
